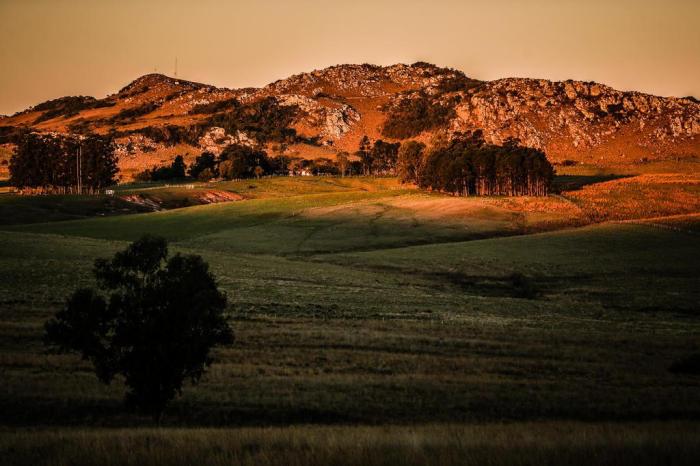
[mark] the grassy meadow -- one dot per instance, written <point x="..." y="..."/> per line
<point x="376" y="324"/>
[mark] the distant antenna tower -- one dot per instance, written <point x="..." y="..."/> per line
<point x="176" y="67"/>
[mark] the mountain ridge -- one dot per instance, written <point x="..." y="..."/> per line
<point x="320" y="112"/>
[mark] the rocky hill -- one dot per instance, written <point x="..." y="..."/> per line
<point x="318" y="113"/>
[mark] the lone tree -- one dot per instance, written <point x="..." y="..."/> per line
<point x="154" y="320"/>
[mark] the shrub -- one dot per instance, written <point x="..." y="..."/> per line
<point x="170" y="135"/>
<point x="458" y="82"/>
<point x="206" y="174"/>
<point x="523" y="286"/>
<point x="134" y="112"/>
<point x="568" y="163"/>
<point x="68" y="107"/>
<point x="144" y="175"/>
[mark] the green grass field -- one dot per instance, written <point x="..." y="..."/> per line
<point x="376" y="325"/>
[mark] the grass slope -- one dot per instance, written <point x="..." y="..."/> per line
<point x="15" y="210"/>
<point x="378" y="306"/>
<point x="430" y="333"/>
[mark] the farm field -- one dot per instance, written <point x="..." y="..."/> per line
<point x="452" y="326"/>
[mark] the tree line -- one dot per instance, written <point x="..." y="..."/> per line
<point x="379" y="158"/>
<point x="465" y="166"/>
<point x="63" y="164"/>
<point x="239" y="161"/>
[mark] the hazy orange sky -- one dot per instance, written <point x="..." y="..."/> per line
<point x="52" y="48"/>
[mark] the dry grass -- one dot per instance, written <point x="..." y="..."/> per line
<point x="643" y="196"/>
<point x="130" y="165"/>
<point x="686" y="165"/>
<point x="460" y="215"/>
<point x="488" y="444"/>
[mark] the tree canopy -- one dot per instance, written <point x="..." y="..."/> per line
<point x="384" y="156"/>
<point x="154" y="319"/>
<point x="239" y="161"/>
<point x="378" y="158"/>
<point x="410" y="161"/>
<point x="56" y="163"/>
<point x="468" y="166"/>
<point x="205" y="162"/>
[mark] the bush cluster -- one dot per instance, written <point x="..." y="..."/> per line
<point x="134" y="112"/>
<point x="264" y="120"/>
<point x="68" y="107"/>
<point x="214" y="107"/>
<point x="413" y="115"/>
<point x="235" y="161"/>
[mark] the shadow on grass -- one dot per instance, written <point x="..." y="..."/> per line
<point x="563" y="183"/>
<point x="482" y="408"/>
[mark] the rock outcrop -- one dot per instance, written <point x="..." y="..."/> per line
<point x="573" y="117"/>
<point x="338" y="105"/>
<point x="216" y="139"/>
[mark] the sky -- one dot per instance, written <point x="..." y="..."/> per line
<point x="53" y="48"/>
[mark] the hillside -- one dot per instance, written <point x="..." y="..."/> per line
<point x="318" y="113"/>
<point x="357" y="303"/>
